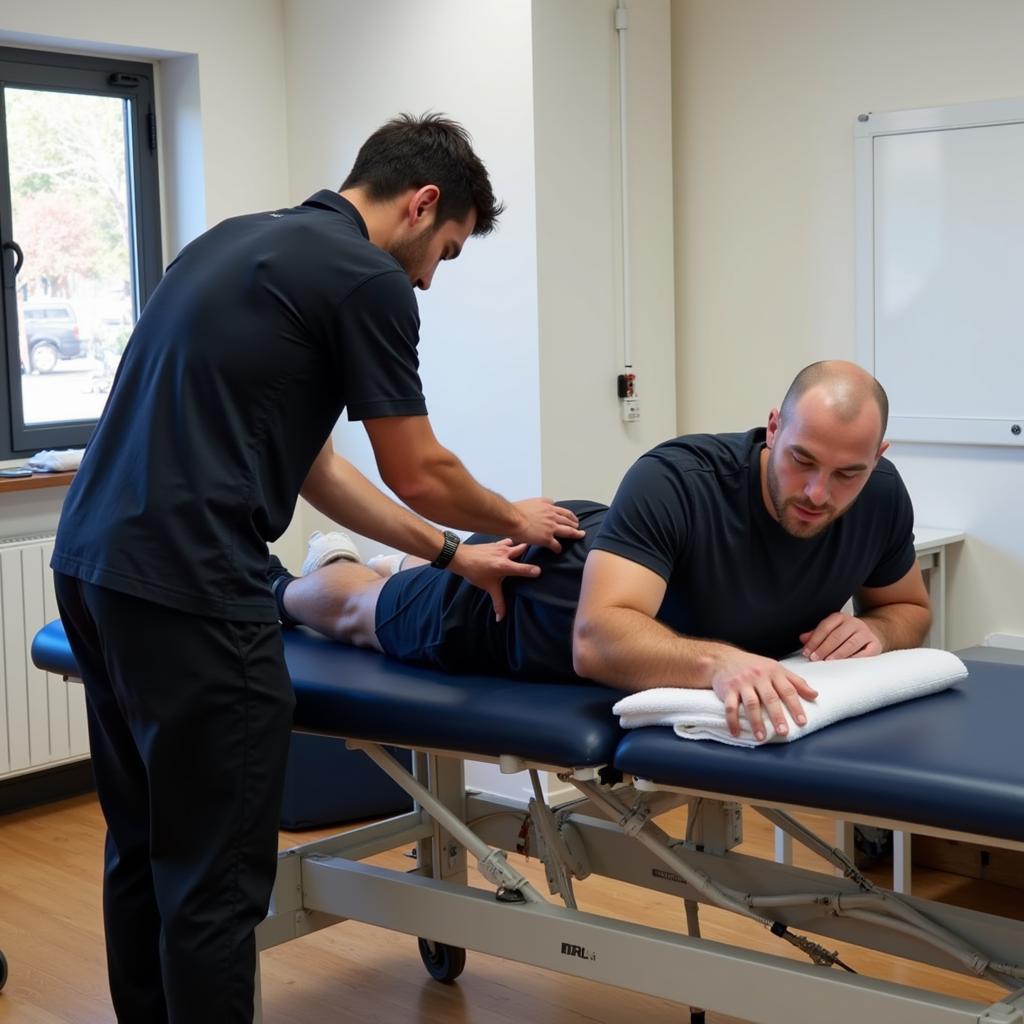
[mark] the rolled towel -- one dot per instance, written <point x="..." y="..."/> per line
<point x="55" y="462"/>
<point x="845" y="688"/>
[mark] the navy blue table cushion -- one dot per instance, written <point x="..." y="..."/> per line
<point x="364" y="695"/>
<point x="343" y="691"/>
<point x="951" y="760"/>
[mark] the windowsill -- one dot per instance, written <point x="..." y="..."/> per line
<point x="34" y="482"/>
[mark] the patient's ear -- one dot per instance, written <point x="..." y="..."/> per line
<point x="774" y="423"/>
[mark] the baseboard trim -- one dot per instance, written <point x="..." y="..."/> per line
<point x="45" y="786"/>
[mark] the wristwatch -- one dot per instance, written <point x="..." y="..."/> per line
<point x="451" y="545"/>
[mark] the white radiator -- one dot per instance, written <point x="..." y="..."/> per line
<point x="42" y="718"/>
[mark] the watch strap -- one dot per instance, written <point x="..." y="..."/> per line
<point x="451" y="545"/>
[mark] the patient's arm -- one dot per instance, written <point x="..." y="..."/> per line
<point x="617" y="640"/>
<point x="889" y="618"/>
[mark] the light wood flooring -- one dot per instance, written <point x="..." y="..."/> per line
<point x="50" y="931"/>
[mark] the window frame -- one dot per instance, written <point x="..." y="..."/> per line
<point x="74" y="73"/>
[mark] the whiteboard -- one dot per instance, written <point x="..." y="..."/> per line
<point x="940" y="269"/>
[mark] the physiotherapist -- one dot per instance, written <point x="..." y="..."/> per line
<point x="261" y="333"/>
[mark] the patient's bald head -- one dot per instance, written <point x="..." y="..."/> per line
<point x="822" y="445"/>
<point x="842" y="388"/>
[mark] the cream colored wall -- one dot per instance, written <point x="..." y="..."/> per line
<point x="765" y="97"/>
<point x="585" y="445"/>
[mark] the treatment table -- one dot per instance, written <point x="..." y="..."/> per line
<point x="946" y="765"/>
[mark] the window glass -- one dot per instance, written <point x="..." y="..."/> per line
<point x="78" y="220"/>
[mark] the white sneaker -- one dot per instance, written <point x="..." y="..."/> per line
<point x="325" y="548"/>
<point x="386" y="565"/>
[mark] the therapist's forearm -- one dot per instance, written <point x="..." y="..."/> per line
<point x="342" y="493"/>
<point x="443" y="490"/>
<point x="628" y="649"/>
<point x="899" y="626"/>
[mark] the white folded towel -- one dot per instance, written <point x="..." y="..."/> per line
<point x="55" y="462"/>
<point x="845" y="689"/>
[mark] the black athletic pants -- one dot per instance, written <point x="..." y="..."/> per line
<point x="189" y="722"/>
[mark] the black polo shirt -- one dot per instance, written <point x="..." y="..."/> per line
<point x="261" y="332"/>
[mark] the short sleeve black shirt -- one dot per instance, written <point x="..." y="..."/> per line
<point x="261" y="332"/>
<point x="691" y="510"/>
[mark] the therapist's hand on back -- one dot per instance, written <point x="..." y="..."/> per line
<point x="763" y="687"/>
<point x="544" y="522"/>
<point x="840" y="636"/>
<point x="486" y="565"/>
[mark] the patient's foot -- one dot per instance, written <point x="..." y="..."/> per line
<point x="325" y="548"/>
<point x="386" y="565"/>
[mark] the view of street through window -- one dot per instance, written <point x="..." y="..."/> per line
<point x="70" y="201"/>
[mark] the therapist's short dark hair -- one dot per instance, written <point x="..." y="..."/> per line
<point x="410" y="152"/>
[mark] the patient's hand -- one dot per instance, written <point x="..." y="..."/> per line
<point x="486" y="565"/>
<point x="840" y="636"/>
<point x="763" y="687"/>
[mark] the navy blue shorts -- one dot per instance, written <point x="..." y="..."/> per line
<point x="436" y="618"/>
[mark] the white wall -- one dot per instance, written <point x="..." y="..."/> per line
<point x="182" y="200"/>
<point x="765" y="99"/>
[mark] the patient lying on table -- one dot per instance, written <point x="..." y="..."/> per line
<point x="719" y="555"/>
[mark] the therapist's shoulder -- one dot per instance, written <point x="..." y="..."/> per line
<point x="383" y="287"/>
<point x="328" y="242"/>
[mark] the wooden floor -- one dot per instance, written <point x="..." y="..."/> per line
<point x="51" y="933"/>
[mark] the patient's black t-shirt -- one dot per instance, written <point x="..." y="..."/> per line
<point x="690" y="510"/>
<point x="261" y="332"/>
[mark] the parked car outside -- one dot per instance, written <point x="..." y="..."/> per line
<point x="49" y="333"/>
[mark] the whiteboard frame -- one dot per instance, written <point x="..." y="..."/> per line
<point x="868" y="127"/>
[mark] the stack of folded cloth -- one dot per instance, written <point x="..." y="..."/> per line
<point x="55" y="462"/>
<point x="845" y="688"/>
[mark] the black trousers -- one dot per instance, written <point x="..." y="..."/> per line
<point x="189" y="721"/>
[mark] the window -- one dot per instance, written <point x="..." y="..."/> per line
<point x="80" y="236"/>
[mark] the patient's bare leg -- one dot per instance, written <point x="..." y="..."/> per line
<point x="338" y="600"/>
